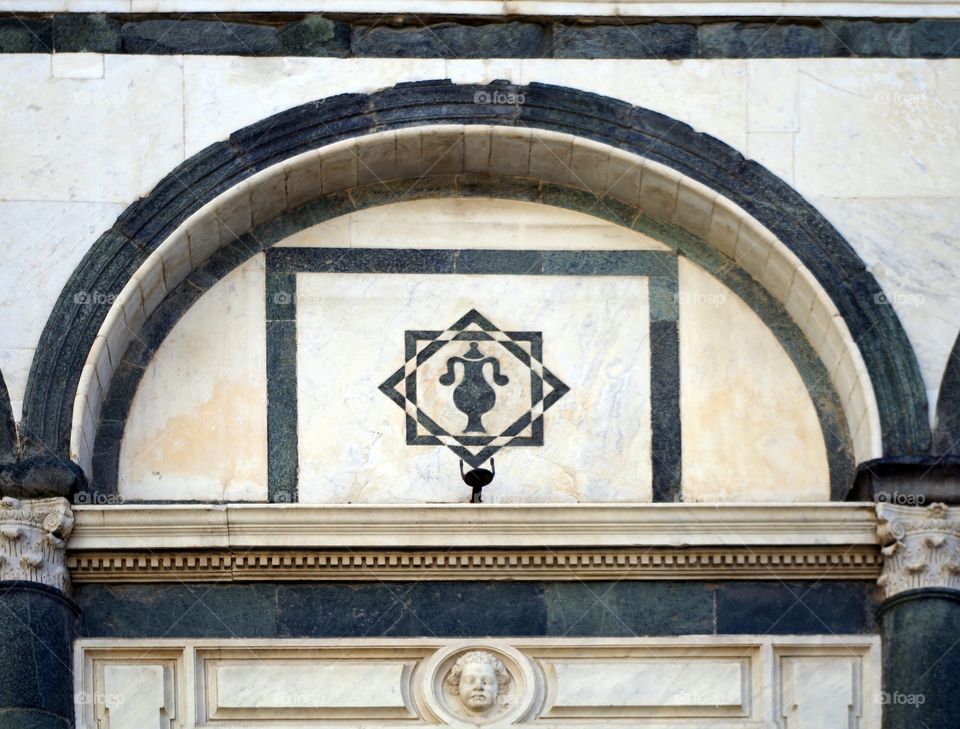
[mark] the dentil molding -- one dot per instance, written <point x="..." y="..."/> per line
<point x="33" y="535"/>
<point x="921" y="547"/>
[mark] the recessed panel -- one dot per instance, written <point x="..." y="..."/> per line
<point x="545" y="380"/>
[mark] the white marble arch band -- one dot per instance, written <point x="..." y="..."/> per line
<point x="443" y="150"/>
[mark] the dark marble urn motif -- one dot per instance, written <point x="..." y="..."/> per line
<point x="474" y="396"/>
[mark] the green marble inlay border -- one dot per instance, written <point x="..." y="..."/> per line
<point x="659" y="267"/>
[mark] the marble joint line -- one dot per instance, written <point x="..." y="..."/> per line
<point x="861" y="562"/>
<point x="284" y="263"/>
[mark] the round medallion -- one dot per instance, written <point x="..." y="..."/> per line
<point x="479" y="684"/>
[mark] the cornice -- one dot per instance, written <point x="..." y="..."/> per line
<point x="185" y="543"/>
<point x="273" y="526"/>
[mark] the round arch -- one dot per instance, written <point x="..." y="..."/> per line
<point x="635" y="159"/>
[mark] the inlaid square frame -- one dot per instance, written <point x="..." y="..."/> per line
<point x="283" y="264"/>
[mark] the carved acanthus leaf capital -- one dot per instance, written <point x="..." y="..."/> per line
<point x="33" y="536"/>
<point x="921" y="547"/>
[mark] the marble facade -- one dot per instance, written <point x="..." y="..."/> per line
<point x="543" y="363"/>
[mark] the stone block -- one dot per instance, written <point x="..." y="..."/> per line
<point x="759" y="40"/>
<point x="796" y="607"/>
<point x="644" y="40"/>
<point x="936" y="39"/>
<point x="195" y="610"/>
<point x="315" y="35"/>
<point x="866" y="38"/>
<point x="629" y="608"/>
<point x="199" y="37"/>
<point x="85" y="33"/>
<point x="450" y="40"/>
<point x="19" y="35"/>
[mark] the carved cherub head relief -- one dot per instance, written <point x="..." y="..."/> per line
<point x="479" y="679"/>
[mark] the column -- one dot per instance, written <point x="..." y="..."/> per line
<point x="920" y="616"/>
<point x="37" y="616"/>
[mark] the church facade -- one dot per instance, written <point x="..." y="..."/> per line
<point x="385" y="363"/>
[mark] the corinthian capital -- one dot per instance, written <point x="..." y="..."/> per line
<point x="921" y="547"/>
<point x="33" y="536"/>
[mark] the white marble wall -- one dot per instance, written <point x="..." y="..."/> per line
<point x="197" y="427"/>
<point x="870" y="142"/>
<point x="750" y="431"/>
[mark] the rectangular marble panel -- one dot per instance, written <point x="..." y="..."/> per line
<point x="820" y="691"/>
<point x="351" y="338"/>
<point x="651" y="687"/>
<point x="130" y="689"/>
<point x="319" y="688"/>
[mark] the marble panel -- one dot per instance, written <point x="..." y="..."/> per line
<point x="129" y="690"/>
<point x="474" y="223"/>
<point x="657" y="687"/>
<point x="135" y="696"/>
<point x="878" y="128"/>
<point x="77" y="65"/>
<point x="61" y="134"/>
<point x="910" y="246"/>
<point x="15" y="366"/>
<point x="225" y="93"/>
<point x="40" y="245"/>
<point x="817" y="692"/>
<point x="197" y="425"/>
<point x="774" y="150"/>
<point x="709" y="95"/>
<point x="772" y="95"/>
<point x="351" y="338"/>
<point x="318" y="688"/>
<point x="733" y="371"/>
